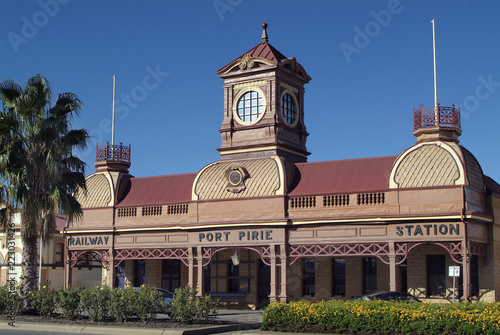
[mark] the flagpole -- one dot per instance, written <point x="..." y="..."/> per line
<point x="113" y="124"/>
<point x="435" y="72"/>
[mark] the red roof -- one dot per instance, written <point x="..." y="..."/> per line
<point x="60" y="223"/>
<point x="331" y="177"/>
<point x="344" y="176"/>
<point x="262" y="50"/>
<point x="267" y="51"/>
<point x="159" y="190"/>
<point x="491" y="185"/>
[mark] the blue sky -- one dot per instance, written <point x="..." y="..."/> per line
<point x="370" y="63"/>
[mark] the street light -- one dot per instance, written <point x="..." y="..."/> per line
<point x="235" y="258"/>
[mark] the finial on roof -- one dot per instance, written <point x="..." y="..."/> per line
<point x="264" y="33"/>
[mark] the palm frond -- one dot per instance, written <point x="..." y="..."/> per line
<point x="41" y="174"/>
<point x="66" y="106"/>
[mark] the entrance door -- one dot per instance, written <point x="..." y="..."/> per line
<point x="404" y="277"/>
<point x="264" y="284"/>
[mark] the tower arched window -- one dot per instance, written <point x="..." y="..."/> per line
<point x="288" y="109"/>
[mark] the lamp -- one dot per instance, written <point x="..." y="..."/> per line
<point x="235" y="258"/>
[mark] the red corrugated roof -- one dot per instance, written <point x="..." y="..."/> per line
<point x="267" y="51"/>
<point x="159" y="190"/>
<point x="331" y="177"/>
<point x="60" y="223"/>
<point x="262" y="50"/>
<point x="491" y="185"/>
<point x="344" y="176"/>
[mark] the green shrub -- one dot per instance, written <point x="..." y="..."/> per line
<point x="187" y="307"/>
<point x="95" y="301"/>
<point x="10" y="298"/>
<point x="123" y="304"/>
<point x="44" y="300"/>
<point x="150" y="303"/>
<point x="5" y="299"/>
<point x="69" y="300"/>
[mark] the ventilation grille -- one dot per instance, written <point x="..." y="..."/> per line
<point x="336" y="200"/>
<point x="151" y="210"/>
<point x="371" y="198"/>
<point x="303" y="202"/>
<point x="127" y="212"/>
<point x="177" y="209"/>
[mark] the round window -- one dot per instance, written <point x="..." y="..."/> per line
<point x="250" y="106"/>
<point x="235" y="177"/>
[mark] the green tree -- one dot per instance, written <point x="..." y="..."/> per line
<point x="38" y="169"/>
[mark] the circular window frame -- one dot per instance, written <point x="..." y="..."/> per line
<point x="237" y="99"/>
<point x="297" y="109"/>
<point x="235" y="172"/>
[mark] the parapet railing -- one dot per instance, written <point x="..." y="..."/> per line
<point x="115" y="153"/>
<point x="447" y="117"/>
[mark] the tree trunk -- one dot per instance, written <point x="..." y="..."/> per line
<point x="29" y="265"/>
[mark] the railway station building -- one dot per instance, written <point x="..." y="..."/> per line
<point x="262" y="224"/>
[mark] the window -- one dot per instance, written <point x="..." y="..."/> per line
<point x="233" y="278"/>
<point x="308" y="276"/>
<point x="140" y="272"/>
<point x="436" y="275"/>
<point x="474" y="275"/>
<point x="369" y="274"/>
<point x="171" y="274"/>
<point x="120" y="275"/>
<point x="288" y="109"/>
<point x="339" y="277"/>
<point x="250" y="107"/>
<point x="59" y="253"/>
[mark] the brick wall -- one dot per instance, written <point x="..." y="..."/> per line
<point x="129" y="273"/>
<point x="353" y="276"/>
<point x="154" y="273"/>
<point x="294" y="281"/>
<point x="323" y="278"/>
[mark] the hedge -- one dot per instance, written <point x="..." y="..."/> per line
<point x="383" y="317"/>
<point x="101" y="303"/>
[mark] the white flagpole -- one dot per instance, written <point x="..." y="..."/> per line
<point x="40" y="268"/>
<point x="435" y="72"/>
<point x="113" y="125"/>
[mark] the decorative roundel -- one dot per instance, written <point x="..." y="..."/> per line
<point x="250" y="106"/>
<point x="235" y="177"/>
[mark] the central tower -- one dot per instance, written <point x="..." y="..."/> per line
<point x="264" y="105"/>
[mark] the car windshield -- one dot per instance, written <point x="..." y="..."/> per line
<point x="166" y="294"/>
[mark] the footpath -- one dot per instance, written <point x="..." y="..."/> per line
<point x="245" y="322"/>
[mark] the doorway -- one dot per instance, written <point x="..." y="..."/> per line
<point x="263" y="284"/>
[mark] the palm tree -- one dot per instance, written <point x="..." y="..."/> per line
<point x="38" y="169"/>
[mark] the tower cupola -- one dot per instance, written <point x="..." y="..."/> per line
<point x="264" y="105"/>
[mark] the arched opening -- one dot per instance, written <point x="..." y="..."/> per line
<point x="238" y="276"/>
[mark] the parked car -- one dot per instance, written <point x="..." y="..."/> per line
<point x="167" y="297"/>
<point x="388" y="296"/>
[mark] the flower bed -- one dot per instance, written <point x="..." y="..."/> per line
<point x="383" y="317"/>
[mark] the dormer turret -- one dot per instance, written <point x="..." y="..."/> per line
<point x="437" y="124"/>
<point x="264" y="105"/>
